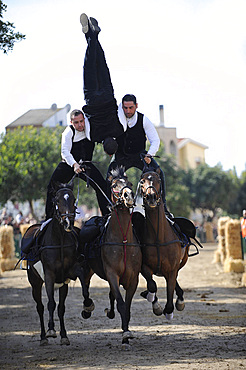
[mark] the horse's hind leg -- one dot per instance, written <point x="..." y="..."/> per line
<point x="110" y="313"/>
<point x="180" y="304"/>
<point x="61" y="311"/>
<point x="36" y="283"/>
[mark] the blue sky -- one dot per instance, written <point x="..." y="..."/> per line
<point x="189" y="55"/>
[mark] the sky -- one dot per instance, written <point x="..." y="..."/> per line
<point x="189" y="55"/>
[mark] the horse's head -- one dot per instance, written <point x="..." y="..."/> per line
<point x="121" y="188"/>
<point x="150" y="184"/>
<point x="65" y="208"/>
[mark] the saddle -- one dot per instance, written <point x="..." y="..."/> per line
<point x="183" y="227"/>
<point x="91" y="236"/>
<point x="30" y="240"/>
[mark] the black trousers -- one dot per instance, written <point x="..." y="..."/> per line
<point x="98" y="87"/>
<point x="134" y="160"/>
<point x="64" y="173"/>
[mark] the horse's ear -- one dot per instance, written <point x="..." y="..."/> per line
<point x="158" y="170"/>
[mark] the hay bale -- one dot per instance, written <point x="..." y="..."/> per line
<point x="244" y="279"/>
<point x="216" y="258"/>
<point x="233" y="265"/>
<point x="7" y="246"/>
<point x="233" y="239"/>
<point x="23" y="228"/>
<point x="209" y="232"/>
<point x="221" y="237"/>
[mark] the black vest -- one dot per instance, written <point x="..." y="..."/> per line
<point x="134" y="139"/>
<point x="82" y="149"/>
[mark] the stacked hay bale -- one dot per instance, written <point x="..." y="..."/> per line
<point x="23" y="228"/>
<point x="209" y="232"/>
<point x="1" y="256"/>
<point x="220" y="253"/>
<point x="233" y="261"/>
<point x="8" y="259"/>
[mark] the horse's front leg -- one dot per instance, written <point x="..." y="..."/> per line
<point x="84" y="275"/>
<point x="171" y="283"/>
<point x="110" y="312"/>
<point x="49" y="285"/>
<point x="61" y="311"/>
<point x="150" y="293"/>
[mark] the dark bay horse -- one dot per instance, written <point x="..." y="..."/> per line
<point x="161" y="248"/>
<point x="56" y="248"/>
<point x="120" y="258"/>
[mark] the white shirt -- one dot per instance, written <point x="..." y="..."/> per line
<point x="66" y="142"/>
<point x="148" y="127"/>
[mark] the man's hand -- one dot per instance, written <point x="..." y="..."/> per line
<point x="147" y="159"/>
<point x="77" y="168"/>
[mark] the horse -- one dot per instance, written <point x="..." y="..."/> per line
<point x="55" y="246"/>
<point x="120" y="258"/>
<point x="162" y="252"/>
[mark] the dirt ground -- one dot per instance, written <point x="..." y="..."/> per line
<point x="209" y="334"/>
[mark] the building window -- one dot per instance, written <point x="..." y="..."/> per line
<point x="60" y="123"/>
<point x="172" y="147"/>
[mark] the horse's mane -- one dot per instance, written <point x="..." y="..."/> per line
<point x="118" y="173"/>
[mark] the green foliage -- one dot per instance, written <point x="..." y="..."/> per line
<point x="28" y="157"/>
<point x="210" y="187"/>
<point x="177" y="193"/>
<point x="7" y="35"/>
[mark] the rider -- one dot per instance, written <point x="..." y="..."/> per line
<point x="129" y="127"/>
<point x="132" y="143"/>
<point x="76" y="146"/>
<point x="101" y="107"/>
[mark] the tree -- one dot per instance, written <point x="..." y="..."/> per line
<point x="211" y="188"/>
<point x="28" y="157"/>
<point x="177" y="193"/>
<point x="7" y="35"/>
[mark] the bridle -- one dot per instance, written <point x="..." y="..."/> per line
<point x="151" y="190"/>
<point x="66" y="219"/>
<point x="119" y="196"/>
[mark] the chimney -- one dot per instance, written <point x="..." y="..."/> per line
<point x="161" y="109"/>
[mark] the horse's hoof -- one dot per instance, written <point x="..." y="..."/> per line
<point x="169" y="316"/>
<point x="109" y="314"/>
<point x="44" y="342"/>
<point x="89" y="308"/>
<point x="157" y="309"/>
<point x="127" y="335"/>
<point x="65" y="341"/>
<point x="126" y="346"/>
<point x="85" y="314"/>
<point x="180" y="305"/>
<point x="51" y="334"/>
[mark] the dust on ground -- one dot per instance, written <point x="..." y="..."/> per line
<point x="209" y="334"/>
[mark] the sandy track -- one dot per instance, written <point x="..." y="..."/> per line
<point x="209" y="334"/>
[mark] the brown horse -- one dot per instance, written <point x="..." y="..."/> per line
<point x="121" y="258"/>
<point x="161" y="248"/>
<point x="56" y="248"/>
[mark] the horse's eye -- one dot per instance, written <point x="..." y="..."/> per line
<point x="142" y="182"/>
<point x="114" y="186"/>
